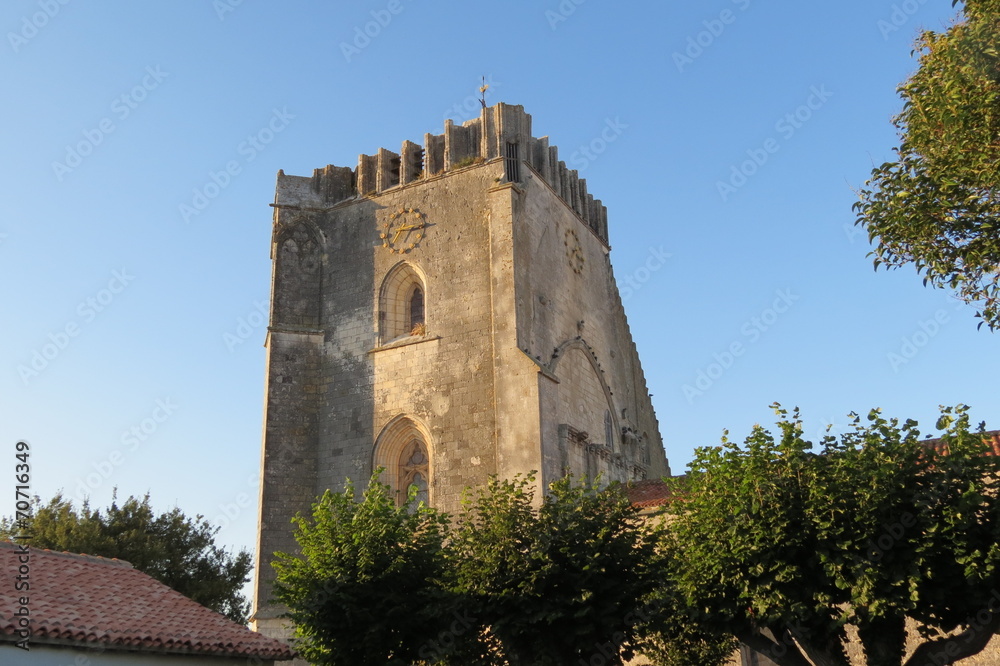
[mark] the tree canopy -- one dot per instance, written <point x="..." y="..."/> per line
<point x="786" y="548"/>
<point x="514" y="581"/>
<point x="176" y="550"/>
<point x="366" y="586"/>
<point x="563" y="583"/>
<point x="937" y="206"/>
<point x="873" y="542"/>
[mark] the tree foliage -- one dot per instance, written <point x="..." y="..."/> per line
<point x="677" y="631"/>
<point x="938" y="205"/>
<point x="565" y="583"/>
<point x="515" y="581"/>
<point x="787" y="548"/>
<point x="172" y="548"/>
<point x="367" y="586"/>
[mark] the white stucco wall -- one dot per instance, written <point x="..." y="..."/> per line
<point x="45" y="655"/>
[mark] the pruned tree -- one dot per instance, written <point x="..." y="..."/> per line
<point x="366" y="586"/>
<point x="564" y="583"/>
<point x="786" y="548"/>
<point x="937" y="206"/>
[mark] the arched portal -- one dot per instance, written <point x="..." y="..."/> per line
<point x="403" y="451"/>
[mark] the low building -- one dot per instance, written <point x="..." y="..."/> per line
<point x="61" y="609"/>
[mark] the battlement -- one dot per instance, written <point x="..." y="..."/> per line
<point x="502" y="132"/>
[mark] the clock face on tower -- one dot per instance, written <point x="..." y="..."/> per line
<point x="403" y="230"/>
<point x="574" y="252"/>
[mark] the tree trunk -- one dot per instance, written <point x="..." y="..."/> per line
<point x="829" y="654"/>
<point x="884" y="641"/>
<point x="784" y="653"/>
<point x="946" y="651"/>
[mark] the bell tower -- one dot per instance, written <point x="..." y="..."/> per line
<point x="448" y="312"/>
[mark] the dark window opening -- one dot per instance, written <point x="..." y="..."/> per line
<point x="416" y="312"/>
<point x="512" y="164"/>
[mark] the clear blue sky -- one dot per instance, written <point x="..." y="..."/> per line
<point x="118" y="112"/>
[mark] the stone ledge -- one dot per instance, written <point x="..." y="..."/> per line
<point x="403" y="342"/>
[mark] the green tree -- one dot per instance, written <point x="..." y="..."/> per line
<point x="367" y="586"/>
<point x="562" y="584"/>
<point x="938" y="205"/>
<point x="676" y="632"/>
<point x="785" y="548"/>
<point x="172" y="548"/>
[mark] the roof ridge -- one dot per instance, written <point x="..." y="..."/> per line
<point x="96" y="559"/>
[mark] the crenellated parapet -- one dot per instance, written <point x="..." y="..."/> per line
<point x="502" y="132"/>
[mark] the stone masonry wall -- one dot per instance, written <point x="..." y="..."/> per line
<point x="442" y="379"/>
<point x="568" y="307"/>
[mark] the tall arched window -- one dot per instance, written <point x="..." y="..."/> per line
<point x="402" y="450"/>
<point x="609" y="430"/>
<point x="402" y="306"/>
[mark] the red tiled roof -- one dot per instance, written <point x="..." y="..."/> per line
<point x="85" y="600"/>
<point x="648" y="493"/>
<point x="992" y="438"/>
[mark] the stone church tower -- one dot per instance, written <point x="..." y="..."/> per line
<point x="447" y="312"/>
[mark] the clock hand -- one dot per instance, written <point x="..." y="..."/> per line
<point x="406" y="227"/>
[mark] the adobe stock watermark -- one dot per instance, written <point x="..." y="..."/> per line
<point x="562" y="12"/>
<point x="780" y="647"/>
<point x="584" y="155"/>
<point x="86" y="312"/>
<point x="910" y="345"/>
<point x="121" y="108"/>
<point x="439" y="647"/>
<point x="829" y="427"/>
<point x="892" y="533"/>
<point x="364" y="35"/>
<point x="131" y="440"/>
<point x="471" y="106"/>
<point x="223" y="7"/>
<point x="852" y="230"/>
<point x="229" y="512"/>
<point x="609" y="652"/>
<point x="786" y="127"/>
<point x="974" y="626"/>
<point x="699" y="42"/>
<point x="246" y="325"/>
<point x="31" y="25"/>
<point x="634" y="281"/>
<point x="901" y="14"/>
<point x="751" y="330"/>
<point x="248" y="150"/>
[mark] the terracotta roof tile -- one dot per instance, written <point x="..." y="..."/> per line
<point x="80" y="599"/>
<point x="648" y="493"/>
<point x="992" y="438"/>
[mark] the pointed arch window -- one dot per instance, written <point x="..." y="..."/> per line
<point x="402" y="304"/>
<point x="403" y="451"/>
